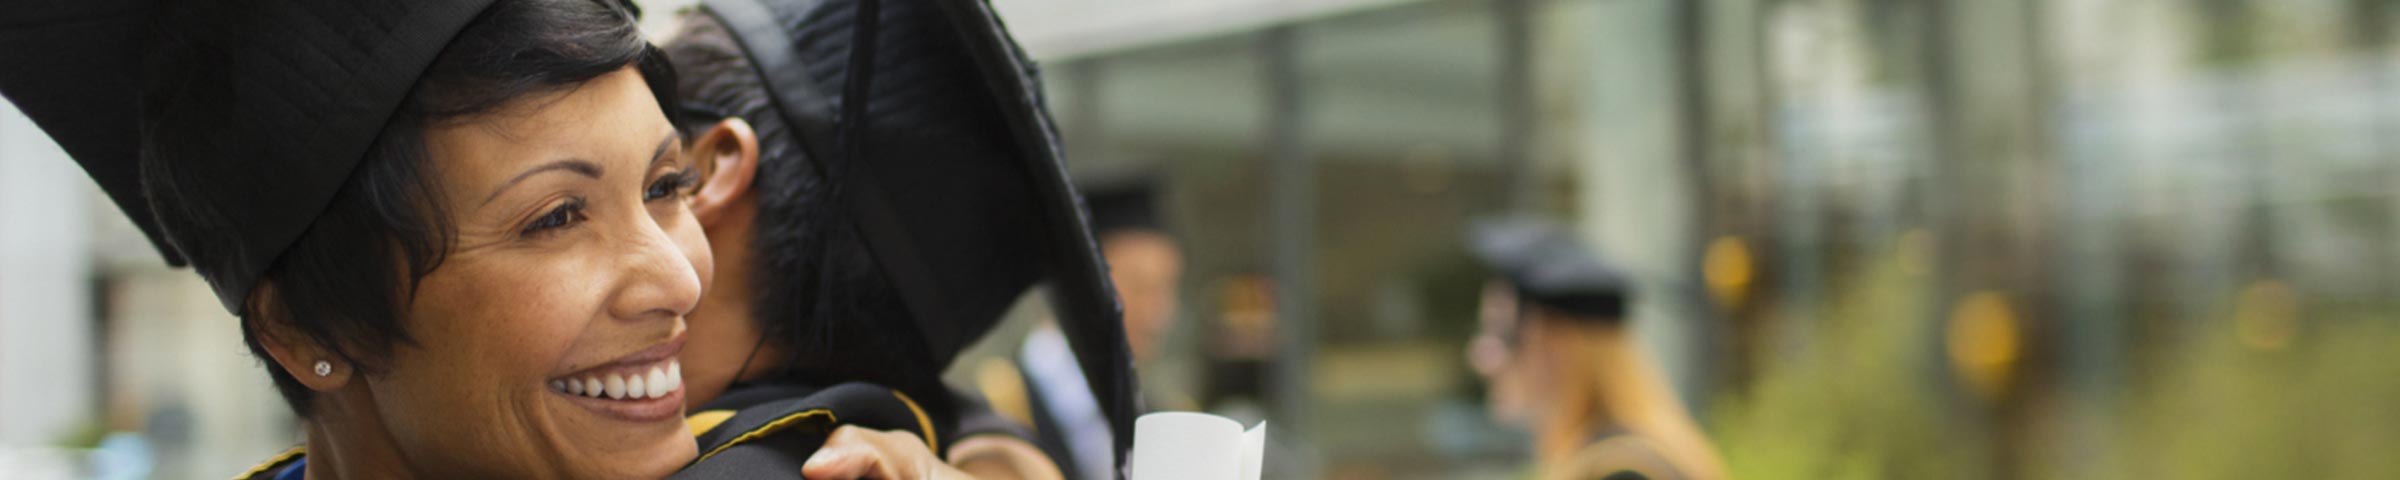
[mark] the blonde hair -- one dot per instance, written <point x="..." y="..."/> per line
<point x="1602" y="379"/>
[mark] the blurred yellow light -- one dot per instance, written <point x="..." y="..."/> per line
<point x="1727" y="268"/>
<point x="1984" y="342"/>
<point x="2265" y="315"/>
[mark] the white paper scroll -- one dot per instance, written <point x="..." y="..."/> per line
<point x="1196" y="446"/>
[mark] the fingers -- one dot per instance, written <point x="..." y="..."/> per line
<point x="841" y="464"/>
<point x="998" y="457"/>
<point x="858" y="453"/>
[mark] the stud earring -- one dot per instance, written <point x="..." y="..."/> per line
<point x="324" y="368"/>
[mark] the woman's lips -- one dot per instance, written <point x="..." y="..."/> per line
<point x="646" y="386"/>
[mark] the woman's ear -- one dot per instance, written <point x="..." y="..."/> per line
<point x="316" y="367"/>
<point x="731" y="150"/>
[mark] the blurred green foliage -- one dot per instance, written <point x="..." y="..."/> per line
<point x="1854" y="391"/>
<point x="1851" y="400"/>
<point x="2325" y="406"/>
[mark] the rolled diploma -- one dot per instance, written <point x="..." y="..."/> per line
<point x="1187" y="446"/>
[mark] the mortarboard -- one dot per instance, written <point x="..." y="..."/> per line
<point x="1129" y="203"/>
<point x="223" y="129"/>
<point x="1547" y="266"/>
<point x="71" y="69"/>
<point x="949" y="169"/>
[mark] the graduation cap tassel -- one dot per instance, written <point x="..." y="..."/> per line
<point x="857" y="86"/>
<point x="1085" y="300"/>
<point x="870" y="212"/>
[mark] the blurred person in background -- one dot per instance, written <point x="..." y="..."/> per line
<point x="429" y="216"/>
<point x="1041" y="387"/>
<point x="1559" y="361"/>
<point x="820" y="211"/>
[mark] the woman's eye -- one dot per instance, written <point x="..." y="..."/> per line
<point x="564" y="215"/>
<point x="673" y="184"/>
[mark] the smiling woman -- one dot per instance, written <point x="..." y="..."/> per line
<point x="456" y="232"/>
<point x="571" y="257"/>
<point x="547" y="241"/>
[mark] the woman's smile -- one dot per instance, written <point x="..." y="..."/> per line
<point x="573" y="330"/>
<point x="644" y="386"/>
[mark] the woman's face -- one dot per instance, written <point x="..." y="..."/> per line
<point x="575" y="263"/>
<point x="1492" y="355"/>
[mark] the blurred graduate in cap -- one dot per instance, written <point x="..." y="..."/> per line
<point x="885" y="184"/>
<point x="1560" y="361"/>
<point x="1040" y="387"/>
<point x="431" y="216"/>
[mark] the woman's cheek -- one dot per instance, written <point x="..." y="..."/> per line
<point x="486" y="337"/>
<point x="514" y="316"/>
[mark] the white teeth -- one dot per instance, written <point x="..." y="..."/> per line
<point x="656" y="382"/>
<point x="660" y="380"/>
<point x="674" y="375"/>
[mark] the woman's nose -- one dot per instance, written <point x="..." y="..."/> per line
<point x="659" y="279"/>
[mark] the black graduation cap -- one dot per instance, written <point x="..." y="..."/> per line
<point x="1547" y="266"/>
<point x="223" y="129"/>
<point x="1127" y="203"/>
<point x="71" y="68"/>
<point x="950" y="169"/>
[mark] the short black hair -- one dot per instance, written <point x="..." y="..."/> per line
<point x="346" y="282"/>
<point x="819" y="291"/>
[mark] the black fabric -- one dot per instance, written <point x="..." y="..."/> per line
<point x="1083" y="300"/>
<point x="222" y="129"/>
<point x="1123" y="204"/>
<point x="865" y="405"/>
<point x="955" y="182"/>
<point x="781" y="453"/>
<point x="957" y="416"/>
<point x="1549" y="267"/>
<point x="249" y="110"/>
<point x="285" y="465"/>
<point x="941" y="199"/>
<point x="772" y="457"/>
<point x="861" y="404"/>
<point x="71" y="68"/>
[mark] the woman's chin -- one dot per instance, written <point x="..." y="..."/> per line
<point x="648" y="451"/>
<point x="629" y="438"/>
<point x="665" y="458"/>
<point x="656" y="460"/>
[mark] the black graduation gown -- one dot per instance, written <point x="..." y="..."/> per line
<point x="769" y="429"/>
<point x="275" y="467"/>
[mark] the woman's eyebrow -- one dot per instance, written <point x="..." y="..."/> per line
<point x="660" y="155"/>
<point x="580" y="166"/>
